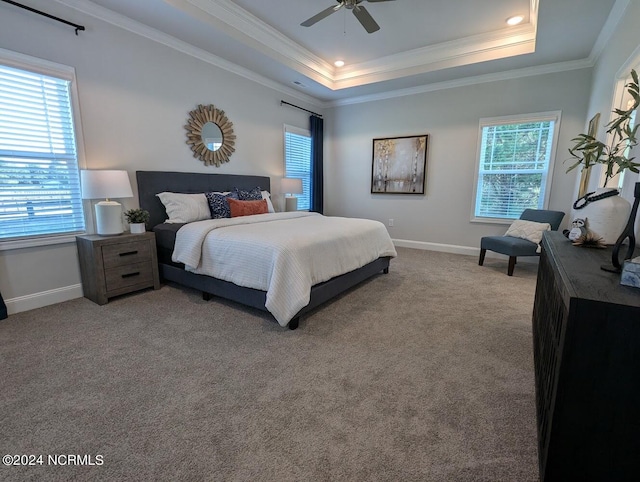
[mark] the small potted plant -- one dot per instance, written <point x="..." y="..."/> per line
<point x="137" y="219"/>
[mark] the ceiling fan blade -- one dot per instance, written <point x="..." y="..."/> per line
<point x="365" y="19"/>
<point x="325" y="13"/>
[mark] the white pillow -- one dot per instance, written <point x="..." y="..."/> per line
<point x="185" y="208"/>
<point x="267" y="196"/>
<point x="529" y="230"/>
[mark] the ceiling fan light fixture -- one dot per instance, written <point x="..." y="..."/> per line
<point x="515" y="20"/>
<point x="339" y="63"/>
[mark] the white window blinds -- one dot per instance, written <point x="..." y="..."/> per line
<point x="39" y="179"/>
<point x="514" y="166"/>
<point x="298" y="161"/>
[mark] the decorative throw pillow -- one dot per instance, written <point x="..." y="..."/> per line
<point x="247" y="208"/>
<point x="254" y="194"/>
<point x="218" y="205"/>
<point x="267" y="197"/>
<point x="529" y="230"/>
<point x="185" y="208"/>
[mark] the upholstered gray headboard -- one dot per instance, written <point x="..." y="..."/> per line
<point x="151" y="183"/>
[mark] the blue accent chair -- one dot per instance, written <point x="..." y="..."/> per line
<point x="514" y="247"/>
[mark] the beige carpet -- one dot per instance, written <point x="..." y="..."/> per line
<point x="423" y="374"/>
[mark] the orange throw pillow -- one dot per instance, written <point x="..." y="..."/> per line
<point x="247" y="208"/>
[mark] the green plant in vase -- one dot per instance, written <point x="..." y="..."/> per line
<point x="607" y="219"/>
<point x="137" y="219"/>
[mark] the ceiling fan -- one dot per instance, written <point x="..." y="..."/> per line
<point x="360" y="12"/>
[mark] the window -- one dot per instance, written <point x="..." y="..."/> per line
<point x="515" y="162"/>
<point x="297" y="161"/>
<point x="39" y="177"/>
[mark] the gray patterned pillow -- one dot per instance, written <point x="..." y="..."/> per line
<point x="218" y="204"/>
<point x="254" y="194"/>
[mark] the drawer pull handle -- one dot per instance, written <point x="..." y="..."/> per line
<point x="129" y="275"/>
<point x="128" y="253"/>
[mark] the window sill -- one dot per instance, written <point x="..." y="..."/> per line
<point x="505" y="221"/>
<point x="35" y="242"/>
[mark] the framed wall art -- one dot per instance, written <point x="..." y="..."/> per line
<point x="399" y="165"/>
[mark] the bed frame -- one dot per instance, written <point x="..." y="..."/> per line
<point x="151" y="183"/>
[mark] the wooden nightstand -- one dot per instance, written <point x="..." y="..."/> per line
<point x="116" y="265"/>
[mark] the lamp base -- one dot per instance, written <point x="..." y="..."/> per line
<point x="290" y="203"/>
<point x="109" y="218"/>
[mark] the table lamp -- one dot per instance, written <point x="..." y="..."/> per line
<point x="290" y="186"/>
<point x="106" y="184"/>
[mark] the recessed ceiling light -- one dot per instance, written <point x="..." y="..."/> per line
<point x="339" y="63"/>
<point x="515" y="20"/>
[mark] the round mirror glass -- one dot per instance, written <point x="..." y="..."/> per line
<point x="211" y="136"/>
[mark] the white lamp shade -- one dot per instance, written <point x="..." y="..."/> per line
<point x="105" y="184"/>
<point x="291" y="185"/>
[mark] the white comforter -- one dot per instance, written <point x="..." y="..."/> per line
<point x="284" y="254"/>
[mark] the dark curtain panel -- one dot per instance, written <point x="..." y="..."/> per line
<point x="316" y="164"/>
<point x="3" y="309"/>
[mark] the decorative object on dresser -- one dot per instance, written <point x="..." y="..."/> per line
<point x="629" y="233"/>
<point x="106" y="184"/>
<point x="631" y="273"/>
<point x="137" y="219"/>
<point x="210" y="135"/>
<point x="289" y="187"/>
<point x="587" y="363"/>
<point x="522" y="237"/>
<point x="399" y="165"/>
<point x="112" y="266"/>
<point x="607" y="211"/>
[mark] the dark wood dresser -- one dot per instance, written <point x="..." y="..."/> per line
<point x="116" y="265"/>
<point x="586" y="341"/>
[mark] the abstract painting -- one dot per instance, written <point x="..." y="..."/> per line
<point x="399" y="165"/>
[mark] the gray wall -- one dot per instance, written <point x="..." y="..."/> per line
<point x="135" y="95"/>
<point x="451" y="119"/>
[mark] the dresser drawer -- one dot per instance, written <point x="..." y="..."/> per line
<point x="126" y="254"/>
<point x="122" y="277"/>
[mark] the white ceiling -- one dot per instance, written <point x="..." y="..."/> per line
<point x="420" y="42"/>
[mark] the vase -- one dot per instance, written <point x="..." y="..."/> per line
<point x="137" y="228"/>
<point x="607" y="217"/>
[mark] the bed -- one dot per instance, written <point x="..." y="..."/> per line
<point x="151" y="183"/>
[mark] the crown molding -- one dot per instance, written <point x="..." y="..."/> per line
<point x="613" y="20"/>
<point x="467" y="81"/>
<point x="250" y="30"/>
<point x="253" y="32"/>
<point x="478" y="48"/>
<point x="125" y="23"/>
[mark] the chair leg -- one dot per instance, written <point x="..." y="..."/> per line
<point x="482" y="253"/>
<point x="512" y="265"/>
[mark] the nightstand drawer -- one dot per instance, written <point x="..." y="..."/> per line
<point x="126" y="254"/>
<point x="129" y="275"/>
<point x="117" y="265"/>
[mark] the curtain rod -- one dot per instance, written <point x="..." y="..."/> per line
<point x="74" y="25"/>
<point x="298" y="107"/>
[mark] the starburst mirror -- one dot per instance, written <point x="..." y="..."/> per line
<point x="210" y="135"/>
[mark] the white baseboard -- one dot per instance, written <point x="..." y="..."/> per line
<point x="454" y="249"/>
<point x="445" y="248"/>
<point x="44" y="298"/>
